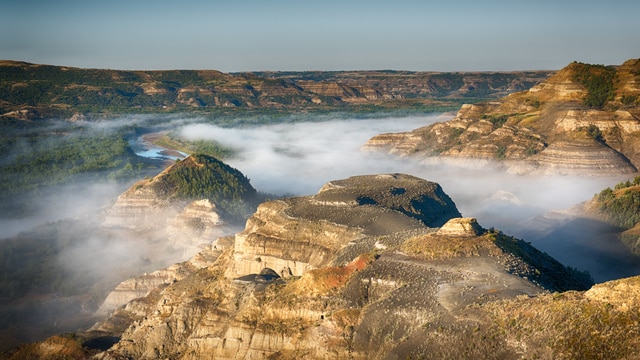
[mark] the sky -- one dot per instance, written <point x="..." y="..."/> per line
<point x="280" y="35"/>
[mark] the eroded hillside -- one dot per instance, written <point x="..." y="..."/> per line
<point x="584" y="119"/>
<point x="33" y="91"/>
<point x="55" y="276"/>
<point x="370" y="267"/>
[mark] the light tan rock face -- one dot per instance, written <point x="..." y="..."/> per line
<point x="199" y="224"/>
<point x="378" y="281"/>
<point x="294" y="235"/>
<point x="546" y="129"/>
<point x="461" y="227"/>
<point x="581" y="158"/>
<point x="142" y="285"/>
<point x="185" y="226"/>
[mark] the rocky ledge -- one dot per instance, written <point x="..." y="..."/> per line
<point x="294" y="235"/>
<point x="374" y="266"/>
<point x="554" y="127"/>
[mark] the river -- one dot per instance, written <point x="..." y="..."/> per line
<point x="143" y="146"/>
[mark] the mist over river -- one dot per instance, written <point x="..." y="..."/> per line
<point x="298" y="158"/>
<point x="288" y="159"/>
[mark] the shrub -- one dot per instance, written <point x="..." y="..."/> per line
<point x="594" y="132"/>
<point x="598" y="80"/>
<point x="622" y="206"/>
<point x="628" y="99"/>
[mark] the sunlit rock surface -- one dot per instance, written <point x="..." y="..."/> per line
<point x="374" y="266"/>
<point x="544" y="130"/>
<point x="294" y="235"/>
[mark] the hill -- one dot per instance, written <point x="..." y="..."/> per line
<point x="31" y="91"/>
<point x="370" y="267"/>
<point x="584" y="119"/>
<point x="199" y="177"/>
<point x="55" y="276"/>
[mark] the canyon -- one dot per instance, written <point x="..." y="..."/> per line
<point x="370" y="266"/>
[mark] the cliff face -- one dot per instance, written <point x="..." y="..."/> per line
<point x="562" y="125"/>
<point x="374" y="266"/>
<point x="174" y="215"/>
<point x="336" y="222"/>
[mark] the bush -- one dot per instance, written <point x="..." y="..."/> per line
<point x="594" y="132"/>
<point x="628" y="99"/>
<point x="598" y="80"/>
<point x="622" y="206"/>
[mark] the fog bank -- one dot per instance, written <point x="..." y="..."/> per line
<point x="298" y="158"/>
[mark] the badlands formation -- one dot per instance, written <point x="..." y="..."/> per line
<point x="378" y="266"/>
<point x="372" y="266"/>
<point x="585" y="119"/>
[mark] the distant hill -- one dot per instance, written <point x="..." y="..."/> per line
<point x="584" y="119"/>
<point x="30" y="91"/>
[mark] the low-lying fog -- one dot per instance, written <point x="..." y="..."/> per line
<point x="299" y="158"/>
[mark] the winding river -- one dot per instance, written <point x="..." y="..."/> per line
<point x="144" y="147"/>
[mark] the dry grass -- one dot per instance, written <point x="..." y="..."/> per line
<point x="53" y="348"/>
<point x="568" y="326"/>
<point x="438" y="247"/>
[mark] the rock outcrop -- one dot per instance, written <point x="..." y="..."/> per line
<point x="461" y="227"/>
<point x="389" y="270"/>
<point x="294" y="235"/>
<point x="179" y="204"/>
<point x="557" y="126"/>
<point x="142" y="285"/>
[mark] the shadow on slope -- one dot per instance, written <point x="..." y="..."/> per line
<point x="590" y="245"/>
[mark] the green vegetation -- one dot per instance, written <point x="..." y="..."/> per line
<point x="548" y="271"/>
<point x="628" y="99"/>
<point x="497" y="120"/>
<point x="54" y="154"/>
<point x="205" y="147"/>
<point x="204" y="177"/>
<point x="598" y="80"/>
<point x="594" y="132"/>
<point x="621" y="208"/>
<point x="622" y="205"/>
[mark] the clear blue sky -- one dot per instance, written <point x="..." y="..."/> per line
<point x="245" y="35"/>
